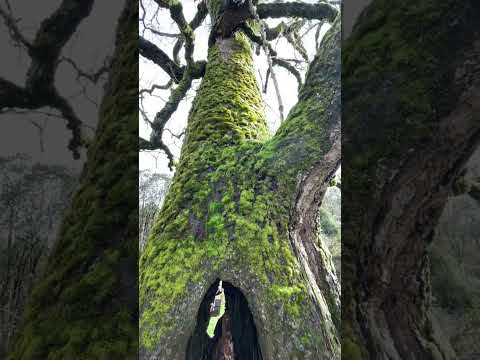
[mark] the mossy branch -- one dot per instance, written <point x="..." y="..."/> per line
<point x="186" y="29"/>
<point x="319" y="11"/>
<point x="313" y="124"/>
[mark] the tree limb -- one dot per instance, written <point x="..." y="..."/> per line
<point x="312" y="127"/>
<point x="169" y="108"/>
<point x="303" y="157"/>
<point x="13" y="28"/>
<point x="156" y="87"/>
<point x="289" y="67"/>
<point x="319" y="11"/>
<point x="145" y="145"/>
<point x="197" y="20"/>
<point x="12" y="95"/>
<point x="162" y="117"/>
<point x="93" y="77"/>
<point x="186" y="29"/>
<point x="44" y="51"/>
<point x="151" y="52"/>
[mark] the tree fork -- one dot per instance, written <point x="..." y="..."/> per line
<point x="228" y="213"/>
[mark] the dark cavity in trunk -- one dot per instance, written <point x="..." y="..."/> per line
<point x="235" y="331"/>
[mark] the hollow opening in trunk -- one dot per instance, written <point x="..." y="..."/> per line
<point x="235" y="336"/>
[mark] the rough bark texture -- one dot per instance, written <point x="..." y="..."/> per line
<point x="411" y="99"/>
<point x="234" y="212"/>
<point x="85" y="307"/>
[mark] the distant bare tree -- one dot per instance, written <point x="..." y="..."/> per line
<point x="33" y="198"/>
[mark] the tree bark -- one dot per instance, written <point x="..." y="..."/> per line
<point x="411" y="118"/>
<point x="86" y="304"/>
<point x="235" y="212"/>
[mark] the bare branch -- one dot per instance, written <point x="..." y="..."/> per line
<point x="11" y="24"/>
<point x="39" y="91"/>
<point x="320" y="11"/>
<point x="156" y="87"/>
<point x="257" y="38"/>
<point x="176" y="13"/>
<point x="178" y="136"/>
<point x="266" y="48"/>
<point x="93" y="77"/>
<point x="162" y="117"/>
<point x="187" y="38"/>
<point x="12" y="95"/>
<point x="275" y="32"/>
<point x="151" y="52"/>
<point x="201" y="14"/>
<point x="145" y="145"/>
<point x="151" y="29"/>
<point x="286" y="65"/>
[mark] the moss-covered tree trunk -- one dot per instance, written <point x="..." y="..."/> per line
<point x="242" y="208"/>
<point x="415" y="60"/>
<point x="86" y="306"/>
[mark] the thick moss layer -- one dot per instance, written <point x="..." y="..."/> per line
<point x="228" y="108"/>
<point x="85" y="306"/>
<point x="216" y="212"/>
<point x="394" y="59"/>
<point x="227" y="213"/>
<point x="313" y="124"/>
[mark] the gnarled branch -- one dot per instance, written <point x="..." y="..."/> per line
<point x="44" y="51"/>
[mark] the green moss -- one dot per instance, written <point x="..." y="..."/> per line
<point x="228" y="108"/>
<point x="73" y="312"/>
<point x="230" y="202"/>
<point x="241" y="222"/>
<point x="390" y="60"/>
<point x="214" y="9"/>
<point x="219" y="211"/>
<point x="409" y="68"/>
<point x="350" y="350"/>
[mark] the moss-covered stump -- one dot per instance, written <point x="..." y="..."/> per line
<point x="86" y="306"/>
<point x="410" y="104"/>
<point x="231" y="214"/>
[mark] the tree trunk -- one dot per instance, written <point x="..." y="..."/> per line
<point x="240" y="209"/>
<point x="86" y="305"/>
<point x="411" y="103"/>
